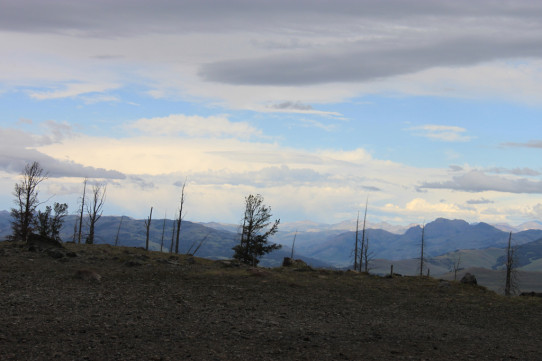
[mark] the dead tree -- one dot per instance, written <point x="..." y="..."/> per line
<point x="422" y="244"/>
<point x="82" y="209"/>
<point x="180" y="219"/>
<point x="26" y="201"/>
<point x="198" y="246"/>
<point x="293" y="245"/>
<point x="172" y="236"/>
<point x="511" y="284"/>
<point x="74" y="231"/>
<point x="366" y="254"/>
<point x="163" y="232"/>
<point x="95" y="209"/>
<point x="148" y="226"/>
<point x="455" y="265"/>
<point x="363" y="235"/>
<point x="118" y="231"/>
<point x="356" y="245"/>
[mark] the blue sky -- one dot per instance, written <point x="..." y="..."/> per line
<point x="429" y="108"/>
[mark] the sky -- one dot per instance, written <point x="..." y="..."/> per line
<point x="426" y="108"/>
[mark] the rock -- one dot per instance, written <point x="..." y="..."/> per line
<point x="88" y="275"/>
<point x="229" y="263"/>
<point x="287" y="262"/>
<point x="40" y="243"/>
<point x="55" y="253"/>
<point x="295" y="263"/>
<point x="134" y="262"/>
<point x="469" y="279"/>
<point x="258" y="272"/>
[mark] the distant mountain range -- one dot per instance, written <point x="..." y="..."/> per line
<point x="480" y="244"/>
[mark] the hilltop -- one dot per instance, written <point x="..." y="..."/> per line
<point x="156" y="306"/>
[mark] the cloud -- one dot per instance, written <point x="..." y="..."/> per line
<point x="317" y="124"/>
<point x="344" y="65"/>
<point x="195" y="126"/>
<point x="479" y="201"/>
<point x="289" y="105"/>
<point x="514" y="171"/>
<point x="456" y="168"/>
<point x="530" y="144"/>
<point x="274" y="48"/>
<point x="73" y="90"/>
<point x="425" y="209"/>
<point x="477" y="181"/>
<point x="443" y="133"/>
<point x="18" y="148"/>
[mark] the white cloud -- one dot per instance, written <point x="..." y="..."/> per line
<point x="73" y="90"/>
<point x="195" y="126"/>
<point x="443" y="133"/>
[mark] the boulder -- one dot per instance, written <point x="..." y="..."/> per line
<point x="41" y="243"/>
<point x="469" y="279"/>
<point x="297" y="263"/>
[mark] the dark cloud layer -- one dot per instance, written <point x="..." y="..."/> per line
<point x="397" y="36"/>
<point x="125" y="17"/>
<point x="359" y="64"/>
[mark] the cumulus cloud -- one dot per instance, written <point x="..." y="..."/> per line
<point x="478" y="181"/>
<point x="195" y="126"/>
<point x="443" y="133"/>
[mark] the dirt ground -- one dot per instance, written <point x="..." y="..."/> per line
<point x="151" y="306"/>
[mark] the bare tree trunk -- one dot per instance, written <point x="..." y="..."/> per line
<point x="82" y="209"/>
<point x="293" y="245"/>
<point x="457" y="262"/>
<point x="366" y="254"/>
<point x="163" y="232"/>
<point x="118" y="232"/>
<point x="421" y="253"/>
<point x="74" y="230"/>
<point x="180" y="219"/>
<point x="509" y="267"/>
<point x="172" y="237"/>
<point x="356" y="245"/>
<point x="363" y="234"/>
<point x="148" y="226"/>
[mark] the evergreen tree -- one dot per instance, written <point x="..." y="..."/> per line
<point x="255" y="232"/>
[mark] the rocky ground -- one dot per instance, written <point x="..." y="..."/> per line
<point x="106" y="303"/>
